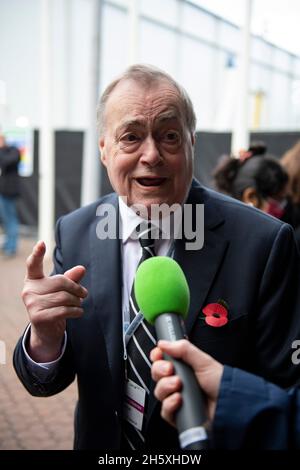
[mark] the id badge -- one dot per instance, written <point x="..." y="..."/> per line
<point x="134" y="404"/>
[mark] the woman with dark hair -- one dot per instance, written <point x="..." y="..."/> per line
<point x="257" y="180"/>
<point x="256" y="147"/>
<point x="291" y="163"/>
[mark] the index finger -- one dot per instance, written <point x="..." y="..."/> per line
<point x="59" y="282"/>
<point x="35" y="261"/>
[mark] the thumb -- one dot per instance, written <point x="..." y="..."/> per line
<point x="76" y="273"/>
<point x="35" y="261"/>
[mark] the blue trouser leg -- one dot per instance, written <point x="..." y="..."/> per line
<point x="8" y="212"/>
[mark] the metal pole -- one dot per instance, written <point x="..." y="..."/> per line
<point x="68" y="51"/>
<point x="240" y="134"/>
<point x="133" y="12"/>
<point x="91" y="168"/>
<point x="46" y="145"/>
<point x="3" y="106"/>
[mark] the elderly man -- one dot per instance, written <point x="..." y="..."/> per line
<point x="83" y="320"/>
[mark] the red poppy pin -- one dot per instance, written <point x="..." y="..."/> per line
<point x="216" y="314"/>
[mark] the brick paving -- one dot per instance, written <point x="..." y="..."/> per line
<point x="27" y="422"/>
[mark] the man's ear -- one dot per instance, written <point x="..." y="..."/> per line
<point x="251" y="197"/>
<point x="101" y="145"/>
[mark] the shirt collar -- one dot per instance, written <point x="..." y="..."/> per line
<point x="129" y="220"/>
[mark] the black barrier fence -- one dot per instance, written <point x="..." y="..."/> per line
<point x="68" y="167"/>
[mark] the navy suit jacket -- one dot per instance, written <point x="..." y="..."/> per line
<point x="255" y="414"/>
<point x="249" y="260"/>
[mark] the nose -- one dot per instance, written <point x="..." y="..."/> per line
<point x="150" y="153"/>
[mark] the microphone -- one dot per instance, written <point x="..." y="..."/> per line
<point x="163" y="296"/>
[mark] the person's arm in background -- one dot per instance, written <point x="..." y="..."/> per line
<point x="275" y="325"/>
<point x="246" y="411"/>
<point x="50" y="301"/>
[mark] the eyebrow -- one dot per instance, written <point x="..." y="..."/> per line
<point x="161" y="118"/>
<point x="130" y="123"/>
<point x="167" y="116"/>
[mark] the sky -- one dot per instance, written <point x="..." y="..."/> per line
<point x="278" y="21"/>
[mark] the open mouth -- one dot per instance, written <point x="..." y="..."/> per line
<point x="150" y="181"/>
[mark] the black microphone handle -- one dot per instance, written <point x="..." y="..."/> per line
<point x="191" y="416"/>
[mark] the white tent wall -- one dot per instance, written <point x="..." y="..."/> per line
<point x="185" y="40"/>
<point x="19" y="64"/>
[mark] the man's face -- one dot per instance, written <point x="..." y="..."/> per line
<point x="146" y="146"/>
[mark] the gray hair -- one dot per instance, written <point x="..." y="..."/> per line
<point x="146" y="75"/>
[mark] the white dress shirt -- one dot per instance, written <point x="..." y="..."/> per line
<point x="131" y="252"/>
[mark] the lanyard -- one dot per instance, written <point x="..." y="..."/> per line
<point x="128" y="333"/>
<point x="132" y="327"/>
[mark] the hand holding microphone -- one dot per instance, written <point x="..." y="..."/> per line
<point x="207" y="370"/>
<point x="162" y="293"/>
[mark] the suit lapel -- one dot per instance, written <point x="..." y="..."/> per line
<point x="106" y="291"/>
<point x="200" y="268"/>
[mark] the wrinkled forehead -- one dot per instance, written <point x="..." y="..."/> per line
<point x="131" y="98"/>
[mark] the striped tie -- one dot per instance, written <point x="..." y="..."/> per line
<point x="141" y="343"/>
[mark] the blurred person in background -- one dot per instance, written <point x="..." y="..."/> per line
<point x="257" y="147"/>
<point x="9" y="191"/>
<point x="256" y="180"/>
<point x="291" y="163"/>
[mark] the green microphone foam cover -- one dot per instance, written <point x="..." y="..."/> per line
<point x="160" y="287"/>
